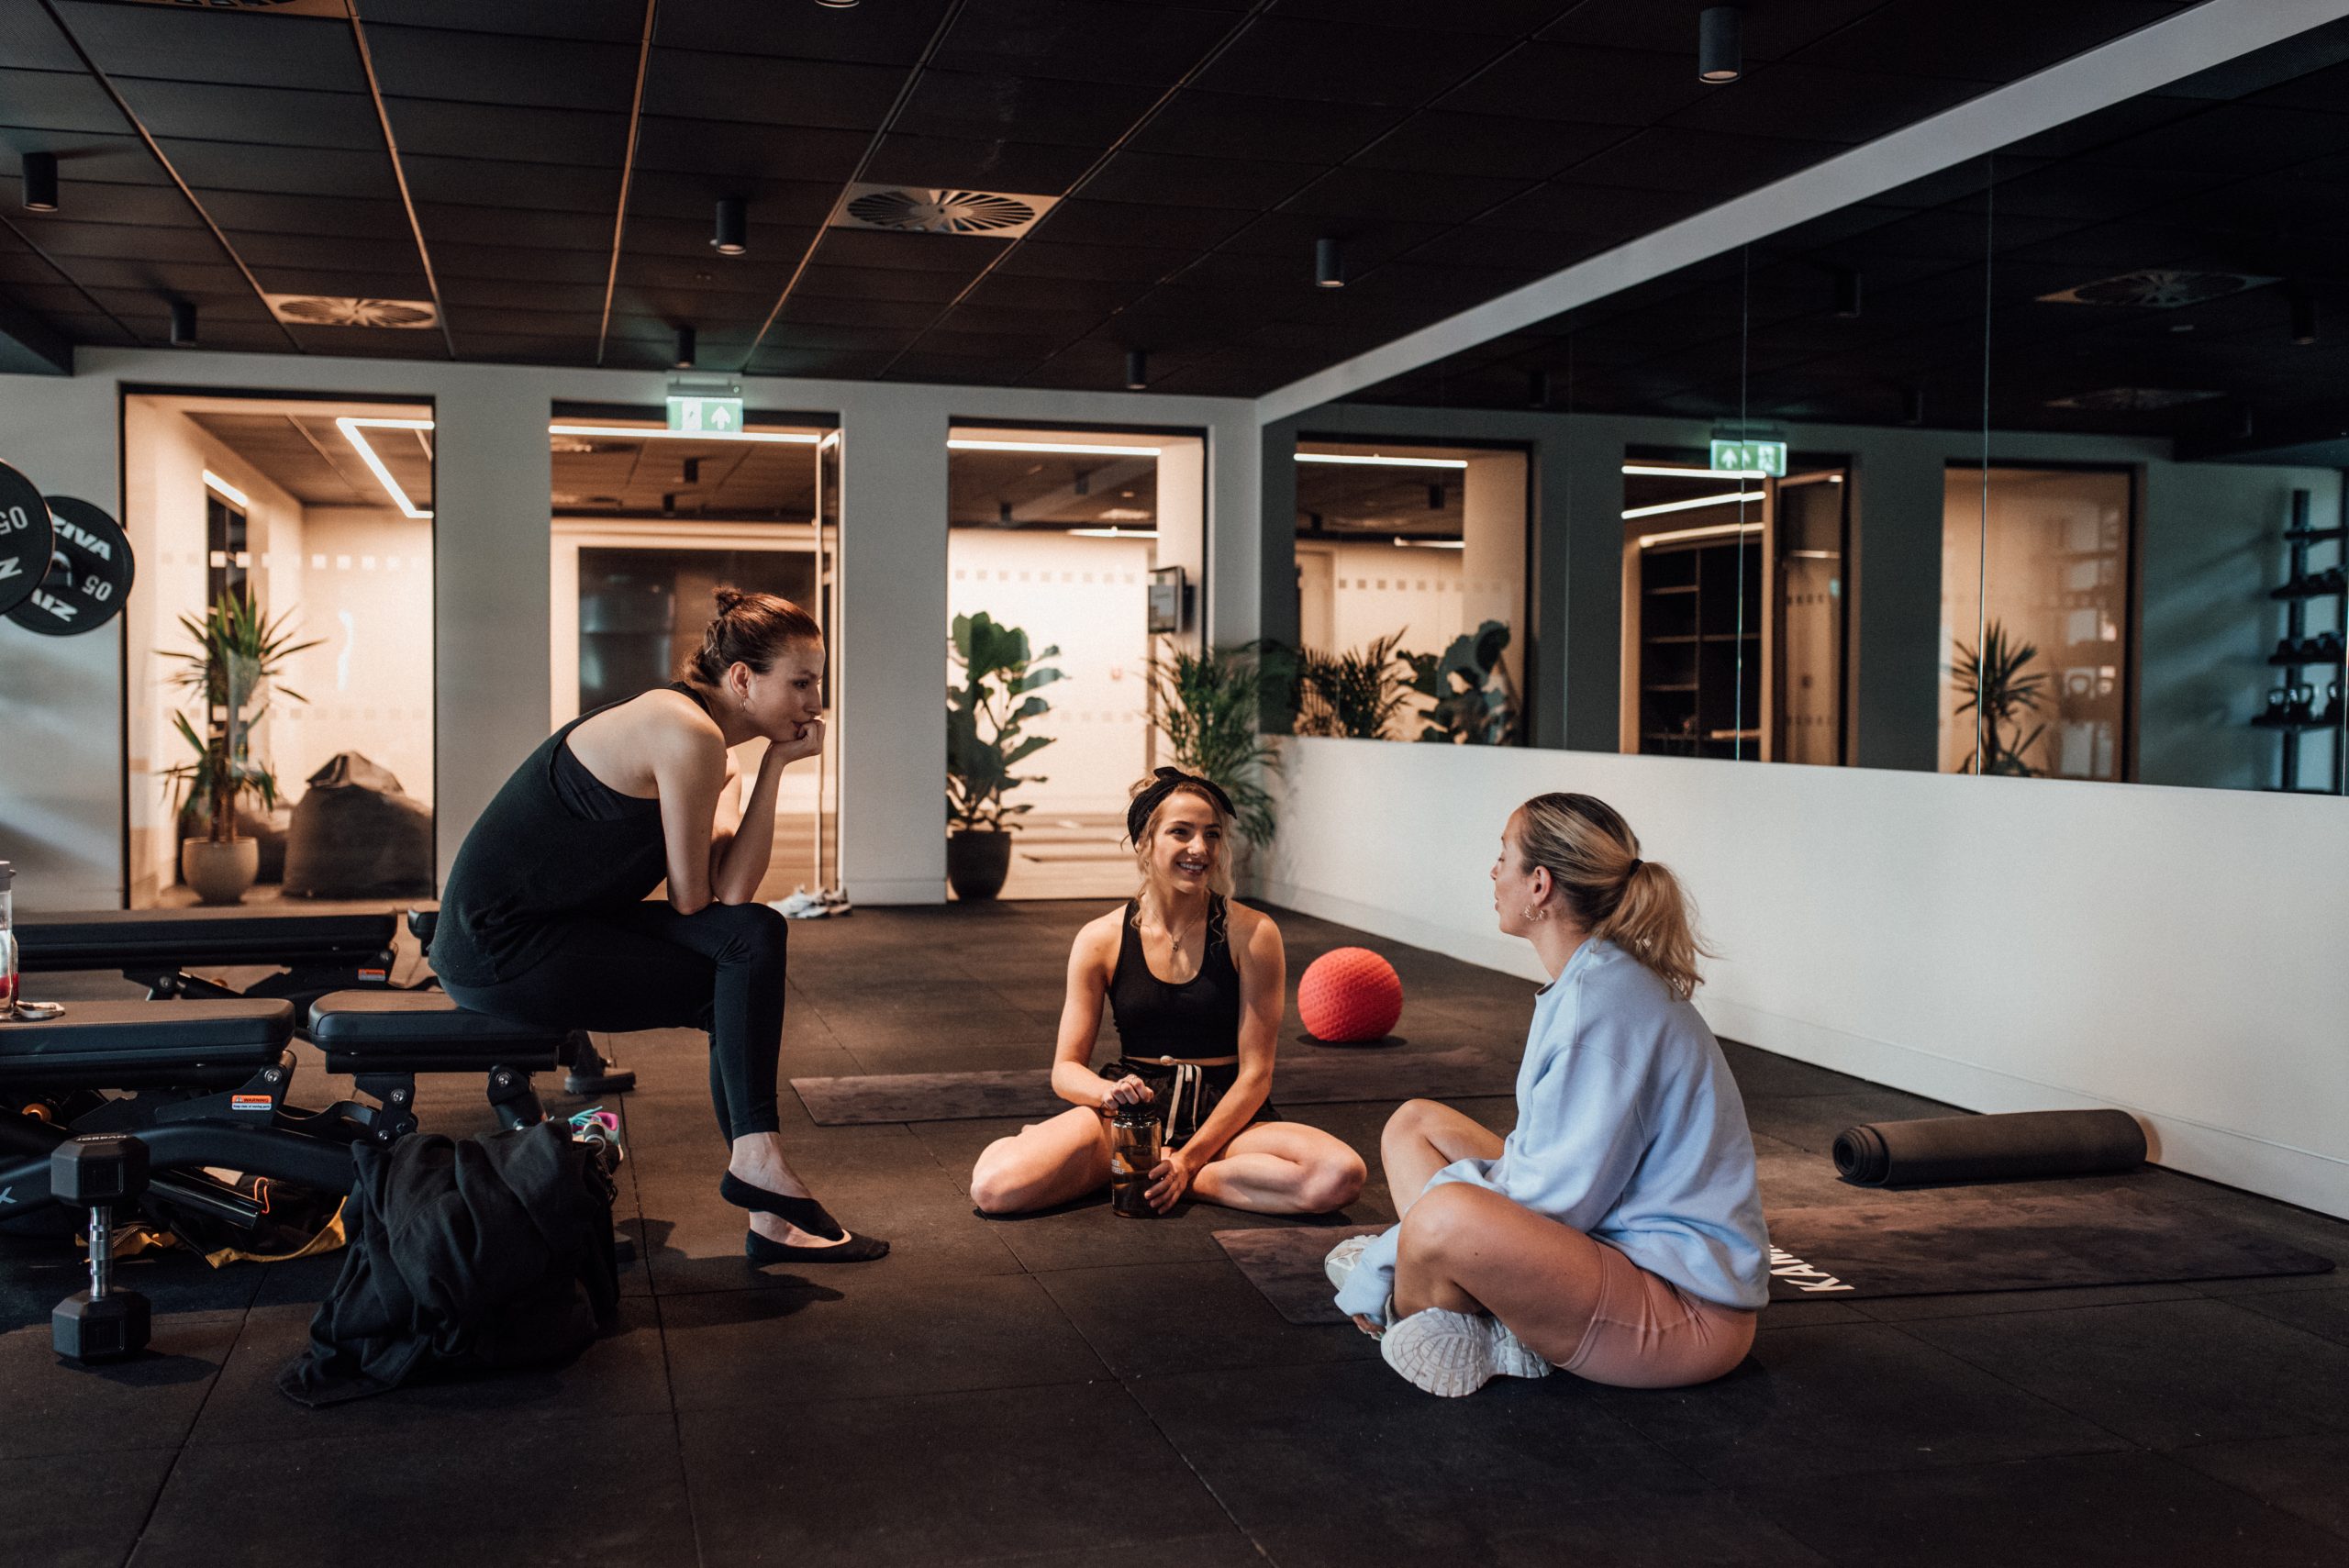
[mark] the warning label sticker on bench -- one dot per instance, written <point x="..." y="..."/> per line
<point x="251" y="1103"/>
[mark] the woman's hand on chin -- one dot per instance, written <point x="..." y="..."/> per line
<point x="808" y="742"/>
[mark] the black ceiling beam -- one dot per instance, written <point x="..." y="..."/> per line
<point x="399" y="177"/>
<point x="155" y="150"/>
<point x="628" y="175"/>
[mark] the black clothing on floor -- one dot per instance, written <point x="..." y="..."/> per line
<point x="644" y="967"/>
<point x="472" y="1254"/>
<point x="544" y="921"/>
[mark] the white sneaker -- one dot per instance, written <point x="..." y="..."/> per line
<point x="1451" y="1353"/>
<point x="1340" y="1264"/>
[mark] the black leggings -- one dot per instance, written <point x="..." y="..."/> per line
<point x="647" y="967"/>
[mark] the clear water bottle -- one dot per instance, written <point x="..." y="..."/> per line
<point x="7" y="941"/>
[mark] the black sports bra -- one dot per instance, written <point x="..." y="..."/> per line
<point x="1196" y="1021"/>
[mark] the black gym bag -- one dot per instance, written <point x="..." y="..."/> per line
<point x="466" y="1255"/>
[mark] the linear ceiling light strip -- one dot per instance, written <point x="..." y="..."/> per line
<point x="1125" y="138"/>
<point x="155" y="150"/>
<point x="2151" y="57"/>
<point x="651" y="433"/>
<point x="1718" y="530"/>
<point x="399" y="177"/>
<point x="71" y="282"/>
<point x="888" y="122"/>
<point x="350" y="428"/>
<point x="970" y="444"/>
<point x="627" y="175"/>
<point x="1736" y="498"/>
<point x="1363" y="460"/>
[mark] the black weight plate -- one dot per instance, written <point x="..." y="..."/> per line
<point x="25" y="535"/>
<point x="89" y="573"/>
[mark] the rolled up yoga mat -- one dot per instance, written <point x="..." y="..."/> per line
<point x="1989" y="1148"/>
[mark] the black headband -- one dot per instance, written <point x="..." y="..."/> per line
<point x="1169" y="780"/>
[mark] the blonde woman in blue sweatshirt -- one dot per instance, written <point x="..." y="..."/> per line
<point x="1618" y="1232"/>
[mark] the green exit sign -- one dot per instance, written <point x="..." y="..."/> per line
<point x="720" y="416"/>
<point x="1745" y="457"/>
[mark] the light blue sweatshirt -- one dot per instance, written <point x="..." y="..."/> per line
<point x="1630" y="1130"/>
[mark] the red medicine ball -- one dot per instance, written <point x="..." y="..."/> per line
<point x="1350" y="995"/>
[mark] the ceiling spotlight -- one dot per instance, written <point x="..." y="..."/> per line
<point x="2304" y="329"/>
<point x="1082" y="484"/>
<point x="668" y="501"/>
<point x="837" y="5"/>
<point x="685" y="359"/>
<point x="40" y="181"/>
<point x="1720" y="44"/>
<point x="1435" y="497"/>
<point x="689" y="470"/>
<point x="1329" y="264"/>
<point x="1847" y="293"/>
<point x="183" y="324"/>
<point x="1137" y="370"/>
<point x="1537" y="389"/>
<point x="1913" y="405"/>
<point x="734" y="235"/>
<point x="1003" y="513"/>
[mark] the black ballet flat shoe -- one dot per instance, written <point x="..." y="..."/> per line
<point x="855" y="1250"/>
<point x="804" y="1212"/>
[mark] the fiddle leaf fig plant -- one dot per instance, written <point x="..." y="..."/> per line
<point x="1474" y="702"/>
<point x="985" y="714"/>
<point x="238" y="656"/>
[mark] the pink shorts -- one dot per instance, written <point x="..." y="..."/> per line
<point x="1648" y="1333"/>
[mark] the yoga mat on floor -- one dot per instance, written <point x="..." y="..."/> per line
<point x="1989" y="1148"/>
<point x="1926" y="1246"/>
<point x="1028" y="1092"/>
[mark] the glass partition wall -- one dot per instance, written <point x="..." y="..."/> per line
<point x="647" y="524"/>
<point x="2030" y="467"/>
<point x="314" y="514"/>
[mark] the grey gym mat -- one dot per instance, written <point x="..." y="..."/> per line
<point x="1927" y="1246"/>
<point x="1462" y="1073"/>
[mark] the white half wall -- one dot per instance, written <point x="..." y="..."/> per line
<point x="2000" y="944"/>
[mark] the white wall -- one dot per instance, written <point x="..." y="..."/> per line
<point x="62" y="797"/>
<point x="2001" y="944"/>
<point x="1089" y="598"/>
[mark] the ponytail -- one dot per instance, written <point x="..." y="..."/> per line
<point x="749" y="629"/>
<point x="1594" y="858"/>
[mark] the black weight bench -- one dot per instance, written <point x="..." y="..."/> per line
<point x="162" y="950"/>
<point x="383" y="1039"/>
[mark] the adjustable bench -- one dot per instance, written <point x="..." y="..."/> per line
<point x="383" y="1039"/>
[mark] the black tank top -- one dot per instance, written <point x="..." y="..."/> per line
<point x="1196" y="1021"/>
<point x="555" y="843"/>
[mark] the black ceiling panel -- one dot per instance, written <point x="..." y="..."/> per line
<point x="462" y="260"/>
<point x="918" y="253"/>
<point x="612" y="21"/>
<point x="1771" y="32"/>
<point x="892" y="34"/>
<point x="499" y="68"/>
<point x="281" y="117"/>
<point x="231" y="166"/>
<point x="1511" y="19"/>
<point x="1080" y="41"/>
<point x="1793" y="99"/>
<point x="29" y="41"/>
<point x="359" y="220"/>
<point x="693" y="84"/>
<point x="484" y="183"/>
<point x="1401" y="195"/>
<point x="1607" y="86"/>
<point x="1437" y="141"/>
<point x="1220" y="125"/>
<point x="1038" y="169"/>
<point x="994" y="105"/>
<point x="1082" y="221"/>
<point x="1158" y="178"/>
<point x="1349" y="63"/>
<point x="864" y="283"/>
<point x="759" y="151"/>
<point x="186" y="43"/>
<point x="56" y="101"/>
<point x="102" y="203"/>
<point x="432" y="127"/>
<point x="1984" y="40"/>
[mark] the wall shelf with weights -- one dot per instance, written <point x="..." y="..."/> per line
<point x="2309" y="702"/>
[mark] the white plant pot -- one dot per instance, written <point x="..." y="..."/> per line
<point x="220" y="872"/>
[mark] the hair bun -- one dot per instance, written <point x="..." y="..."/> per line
<point x="728" y="597"/>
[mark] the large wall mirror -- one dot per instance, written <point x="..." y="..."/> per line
<point x="2031" y="467"/>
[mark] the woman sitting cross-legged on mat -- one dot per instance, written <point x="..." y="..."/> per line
<point x="1618" y="1232"/>
<point x="545" y="918"/>
<point x="1196" y="984"/>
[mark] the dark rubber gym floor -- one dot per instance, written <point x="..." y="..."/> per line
<point x="1077" y="1389"/>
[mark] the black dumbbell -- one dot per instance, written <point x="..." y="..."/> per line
<point x="97" y="1172"/>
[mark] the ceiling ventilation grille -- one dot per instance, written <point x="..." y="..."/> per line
<point x="917" y="209"/>
<point x="2132" y="399"/>
<point x="2156" y="288"/>
<point x="332" y="310"/>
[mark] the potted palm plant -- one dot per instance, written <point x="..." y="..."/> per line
<point x="237" y="658"/>
<point x="1211" y="708"/>
<point x="985" y="714"/>
<point x="1999" y="688"/>
<point x="1358" y="694"/>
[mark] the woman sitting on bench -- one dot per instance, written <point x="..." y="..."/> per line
<point x="1616" y="1232"/>
<point x="546" y="918"/>
<point x="1196" y="984"/>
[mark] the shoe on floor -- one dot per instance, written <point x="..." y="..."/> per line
<point x="1453" y="1353"/>
<point x="1340" y="1264"/>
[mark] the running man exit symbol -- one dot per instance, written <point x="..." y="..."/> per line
<point x="718" y="416"/>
